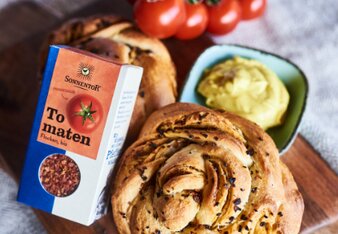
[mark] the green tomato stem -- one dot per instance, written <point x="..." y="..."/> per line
<point x="192" y="2"/>
<point x="212" y="2"/>
<point x="86" y="113"/>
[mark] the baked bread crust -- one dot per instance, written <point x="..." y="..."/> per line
<point x="117" y="39"/>
<point x="196" y="170"/>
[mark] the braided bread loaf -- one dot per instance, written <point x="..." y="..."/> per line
<point x="196" y="170"/>
<point x="117" y="39"/>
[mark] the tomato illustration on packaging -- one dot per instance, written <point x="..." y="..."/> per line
<point x="84" y="113"/>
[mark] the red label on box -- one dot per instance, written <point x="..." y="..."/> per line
<point x="78" y="102"/>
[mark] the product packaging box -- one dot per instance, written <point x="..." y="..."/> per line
<point x="80" y="125"/>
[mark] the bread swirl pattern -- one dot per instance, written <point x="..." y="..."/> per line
<point x="195" y="170"/>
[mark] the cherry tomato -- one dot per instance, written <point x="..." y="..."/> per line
<point x="84" y="113"/>
<point x="252" y="8"/>
<point x="159" y="18"/>
<point x="195" y="23"/>
<point x="224" y="17"/>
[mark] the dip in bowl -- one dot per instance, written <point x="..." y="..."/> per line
<point x="290" y="74"/>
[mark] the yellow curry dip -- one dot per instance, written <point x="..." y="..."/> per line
<point x="248" y="88"/>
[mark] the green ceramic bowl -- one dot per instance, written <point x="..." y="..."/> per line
<point x="290" y="74"/>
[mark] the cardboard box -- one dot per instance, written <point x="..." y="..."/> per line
<point x="80" y="125"/>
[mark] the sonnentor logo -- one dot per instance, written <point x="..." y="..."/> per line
<point x="85" y="71"/>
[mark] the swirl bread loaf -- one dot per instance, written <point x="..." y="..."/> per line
<point x="195" y="170"/>
<point x="117" y="39"/>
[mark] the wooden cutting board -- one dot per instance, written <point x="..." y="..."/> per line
<point x="19" y="88"/>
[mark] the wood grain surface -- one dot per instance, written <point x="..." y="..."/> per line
<point x="19" y="88"/>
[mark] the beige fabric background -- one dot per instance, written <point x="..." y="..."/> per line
<point x="58" y="7"/>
